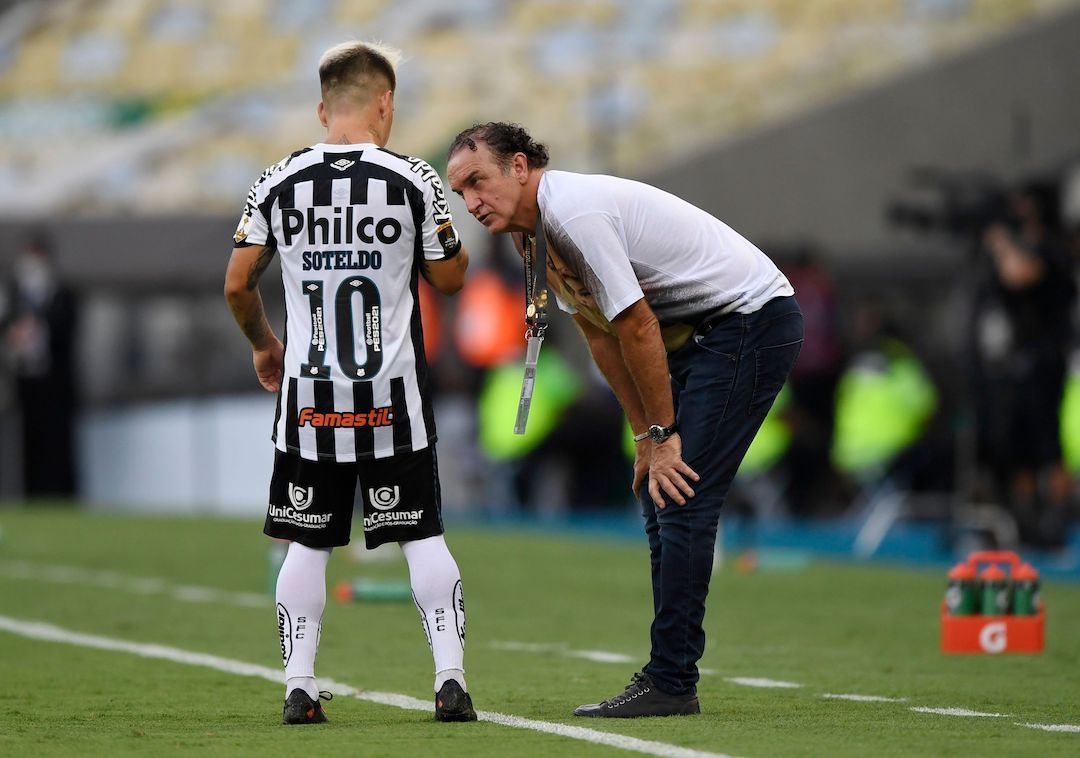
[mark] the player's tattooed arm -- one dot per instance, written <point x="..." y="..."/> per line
<point x="254" y="326"/>
<point x="258" y="266"/>
<point x="242" y="292"/>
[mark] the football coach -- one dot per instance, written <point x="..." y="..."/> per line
<point x="695" y="329"/>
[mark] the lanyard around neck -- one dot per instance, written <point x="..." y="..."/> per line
<point x="535" y="256"/>
<point x="536" y="296"/>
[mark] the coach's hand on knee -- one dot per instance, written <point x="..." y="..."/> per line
<point x="642" y="461"/>
<point x="669" y="473"/>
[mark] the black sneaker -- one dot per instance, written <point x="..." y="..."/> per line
<point x="301" y="709"/>
<point x="641" y="698"/>
<point x="453" y="703"/>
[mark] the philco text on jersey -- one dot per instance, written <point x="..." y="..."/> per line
<point x="336" y="229"/>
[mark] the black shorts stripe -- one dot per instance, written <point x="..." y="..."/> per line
<point x="363" y="400"/>
<point x="292" y="432"/>
<point x="324" y="403"/>
<point x="437" y="480"/>
<point x="402" y="426"/>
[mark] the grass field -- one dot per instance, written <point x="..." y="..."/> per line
<point x="553" y="621"/>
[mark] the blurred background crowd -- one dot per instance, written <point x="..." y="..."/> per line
<point x="912" y="165"/>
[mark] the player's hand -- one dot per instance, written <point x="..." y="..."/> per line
<point x="669" y="473"/>
<point x="269" y="364"/>
<point x="642" y="459"/>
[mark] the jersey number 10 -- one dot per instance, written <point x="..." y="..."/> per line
<point x="346" y="329"/>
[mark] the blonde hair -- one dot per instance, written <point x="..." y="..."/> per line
<point x="358" y="70"/>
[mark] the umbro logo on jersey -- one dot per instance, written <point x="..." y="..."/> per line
<point x="384" y="498"/>
<point x="299" y="497"/>
<point x="341" y="164"/>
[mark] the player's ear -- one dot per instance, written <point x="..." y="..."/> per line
<point x="520" y="166"/>
<point x="321" y="110"/>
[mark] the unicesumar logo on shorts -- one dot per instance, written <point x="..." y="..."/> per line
<point x="384" y="498"/>
<point x="299" y="497"/>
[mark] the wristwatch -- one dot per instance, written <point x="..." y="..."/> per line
<point x="657" y="433"/>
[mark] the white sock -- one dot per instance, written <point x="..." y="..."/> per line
<point x="301" y="599"/>
<point x="305" y="683"/>
<point x="442" y="677"/>
<point x="436" y="587"/>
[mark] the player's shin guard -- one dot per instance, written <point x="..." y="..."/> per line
<point x="436" y="586"/>
<point x="301" y="599"/>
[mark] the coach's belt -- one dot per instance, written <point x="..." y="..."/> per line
<point x="712" y="320"/>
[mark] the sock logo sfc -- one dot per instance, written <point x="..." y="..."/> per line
<point x="301" y="498"/>
<point x="384" y="498"/>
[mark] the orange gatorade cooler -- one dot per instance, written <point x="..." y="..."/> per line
<point x="994" y="630"/>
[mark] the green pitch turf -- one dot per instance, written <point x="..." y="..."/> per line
<point x="537" y="603"/>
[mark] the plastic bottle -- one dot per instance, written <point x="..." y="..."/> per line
<point x="373" y="591"/>
<point x="1025" y="590"/>
<point x="995" y="591"/>
<point x="962" y="595"/>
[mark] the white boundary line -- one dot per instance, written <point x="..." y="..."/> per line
<point x="140" y="585"/>
<point x="962" y="712"/>
<point x="1053" y="727"/>
<point x="597" y="656"/>
<point x="38" y="630"/>
<point x="863" y="698"/>
<point x="753" y="681"/>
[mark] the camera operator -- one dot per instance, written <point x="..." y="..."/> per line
<point x="1021" y="325"/>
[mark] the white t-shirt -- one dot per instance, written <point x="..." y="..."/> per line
<point x="613" y="241"/>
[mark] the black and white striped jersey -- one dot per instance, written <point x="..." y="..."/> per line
<point x="351" y="224"/>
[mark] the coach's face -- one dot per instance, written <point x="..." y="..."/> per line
<point x="494" y="195"/>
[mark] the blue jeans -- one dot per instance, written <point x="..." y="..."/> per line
<point x="724" y="381"/>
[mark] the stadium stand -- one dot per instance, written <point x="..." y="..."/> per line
<point x="189" y="100"/>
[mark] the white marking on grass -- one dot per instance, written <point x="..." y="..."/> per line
<point x="749" y="681"/>
<point x="863" y="698"/>
<point x="957" y="712"/>
<point x="38" y="630"/>
<point x="1053" y="727"/>
<point x="599" y="656"/>
<point x="141" y="585"/>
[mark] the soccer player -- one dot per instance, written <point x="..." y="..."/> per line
<point x="696" y="331"/>
<point x="355" y="225"/>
